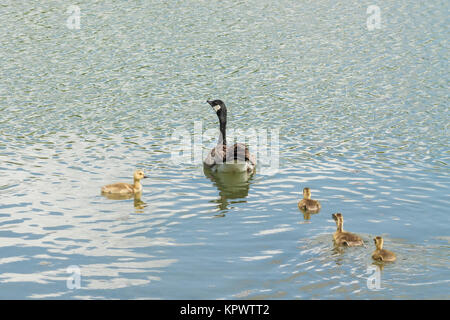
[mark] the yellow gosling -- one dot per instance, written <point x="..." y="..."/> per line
<point x="343" y="238"/>
<point x="307" y="203"/>
<point x="126" y="188"/>
<point x="381" y="254"/>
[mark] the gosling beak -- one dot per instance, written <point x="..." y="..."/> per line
<point x="145" y="177"/>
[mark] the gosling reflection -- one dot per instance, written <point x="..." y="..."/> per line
<point x="307" y="213"/>
<point x="337" y="251"/>
<point x="231" y="186"/>
<point x="379" y="265"/>
<point x="139" y="205"/>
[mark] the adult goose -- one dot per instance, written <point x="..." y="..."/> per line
<point x="225" y="158"/>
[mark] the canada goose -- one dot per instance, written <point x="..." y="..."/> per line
<point x="223" y="158"/>
<point x="124" y="188"/>
<point x="381" y="254"/>
<point x="343" y="238"/>
<point x="307" y="203"/>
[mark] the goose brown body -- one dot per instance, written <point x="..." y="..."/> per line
<point x="343" y="238"/>
<point x="237" y="153"/>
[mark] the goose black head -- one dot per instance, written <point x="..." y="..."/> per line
<point x="219" y="107"/>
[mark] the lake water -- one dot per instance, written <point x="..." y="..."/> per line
<point x="362" y="116"/>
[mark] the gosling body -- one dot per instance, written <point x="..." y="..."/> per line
<point x="381" y="254"/>
<point x="344" y="238"/>
<point x="307" y="204"/>
<point x="126" y="188"/>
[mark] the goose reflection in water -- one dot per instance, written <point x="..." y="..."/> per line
<point x="139" y="205"/>
<point x="231" y="186"/>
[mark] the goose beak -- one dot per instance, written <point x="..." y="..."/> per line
<point x="215" y="107"/>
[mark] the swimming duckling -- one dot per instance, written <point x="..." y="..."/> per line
<point x="307" y="203"/>
<point x="343" y="238"/>
<point x="124" y="188"/>
<point x="381" y="254"/>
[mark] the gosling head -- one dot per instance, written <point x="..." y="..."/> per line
<point x="306" y="193"/>
<point x="378" y="242"/>
<point x="337" y="217"/>
<point x="138" y="175"/>
<point x="339" y="220"/>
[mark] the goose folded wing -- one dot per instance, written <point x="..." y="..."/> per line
<point x="217" y="155"/>
<point x="240" y="152"/>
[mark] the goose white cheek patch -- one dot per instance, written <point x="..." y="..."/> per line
<point x="216" y="108"/>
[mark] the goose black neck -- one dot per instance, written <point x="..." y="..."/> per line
<point x="222" y="114"/>
<point x="223" y="131"/>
